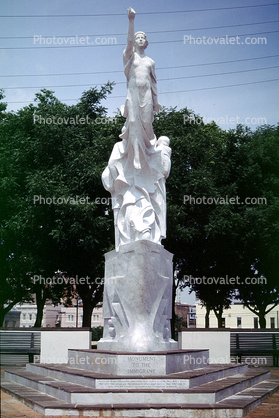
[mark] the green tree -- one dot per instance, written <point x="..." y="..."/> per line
<point x="49" y="161"/>
<point x="15" y="282"/>
<point x="196" y="233"/>
<point x="260" y="239"/>
<point x="222" y="240"/>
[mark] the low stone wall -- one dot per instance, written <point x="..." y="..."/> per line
<point x="55" y="343"/>
<point x="216" y="340"/>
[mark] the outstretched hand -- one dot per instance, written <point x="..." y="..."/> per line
<point x="131" y="13"/>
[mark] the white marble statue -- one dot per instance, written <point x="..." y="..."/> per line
<point x="139" y="164"/>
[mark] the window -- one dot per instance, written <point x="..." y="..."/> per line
<point x="256" y="322"/>
<point x="30" y="316"/>
<point x="272" y="322"/>
<point x="6" y="324"/>
<point x="24" y="316"/>
<point x="14" y="324"/>
<point x="70" y="317"/>
<point x="95" y="318"/>
<point x="238" y="322"/>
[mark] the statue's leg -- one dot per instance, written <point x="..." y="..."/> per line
<point x="134" y="126"/>
<point x="134" y="133"/>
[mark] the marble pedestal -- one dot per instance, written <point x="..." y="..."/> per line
<point x="137" y="305"/>
<point x="159" y="363"/>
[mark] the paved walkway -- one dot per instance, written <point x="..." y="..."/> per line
<point x="270" y="407"/>
<point x="11" y="408"/>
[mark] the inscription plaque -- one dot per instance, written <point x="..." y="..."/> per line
<point x="142" y="384"/>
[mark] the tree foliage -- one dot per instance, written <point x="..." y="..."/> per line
<point x="229" y="240"/>
<point x="44" y="162"/>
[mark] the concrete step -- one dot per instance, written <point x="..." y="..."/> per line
<point x="210" y="392"/>
<point x="257" y="394"/>
<point x="235" y="406"/>
<point x="182" y="380"/>
<point x="39" y="402"/>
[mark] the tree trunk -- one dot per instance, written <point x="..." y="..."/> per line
<point x="207" y="317"/>
<point x="40" y="301"/>
<point x="260" y="312"/>
<point x="2" y="316"/>
<point x="89" y="303"/>
<point x="219" y="318"/>
<point x="262" y="320"/>
<point x="87" y="313"/>
<point x="218" y="314"/>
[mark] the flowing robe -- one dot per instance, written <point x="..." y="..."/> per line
<point x="138" y="109"/>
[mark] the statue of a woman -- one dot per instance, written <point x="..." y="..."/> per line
<point x="139" y="164"/>
<point x="141" y="93"/>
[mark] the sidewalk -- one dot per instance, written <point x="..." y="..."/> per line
<point x="11" y="408"/>
<point x="270" y="407"/>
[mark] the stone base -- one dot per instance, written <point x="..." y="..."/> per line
<point x="215" y="391"/>
<point x="138" y="364"/>
<point x="137" y="306"/>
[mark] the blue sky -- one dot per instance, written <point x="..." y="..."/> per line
<point x="212" y="72"/>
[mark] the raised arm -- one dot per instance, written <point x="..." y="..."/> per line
<point x="130" y="36"/>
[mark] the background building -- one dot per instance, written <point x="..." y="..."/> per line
<point x="238" y="316"/>
<point x="28" y="313"/>
<point x="12" y="319"/>
<point x="187" y="312"/>
<point x="24" y="315"/>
